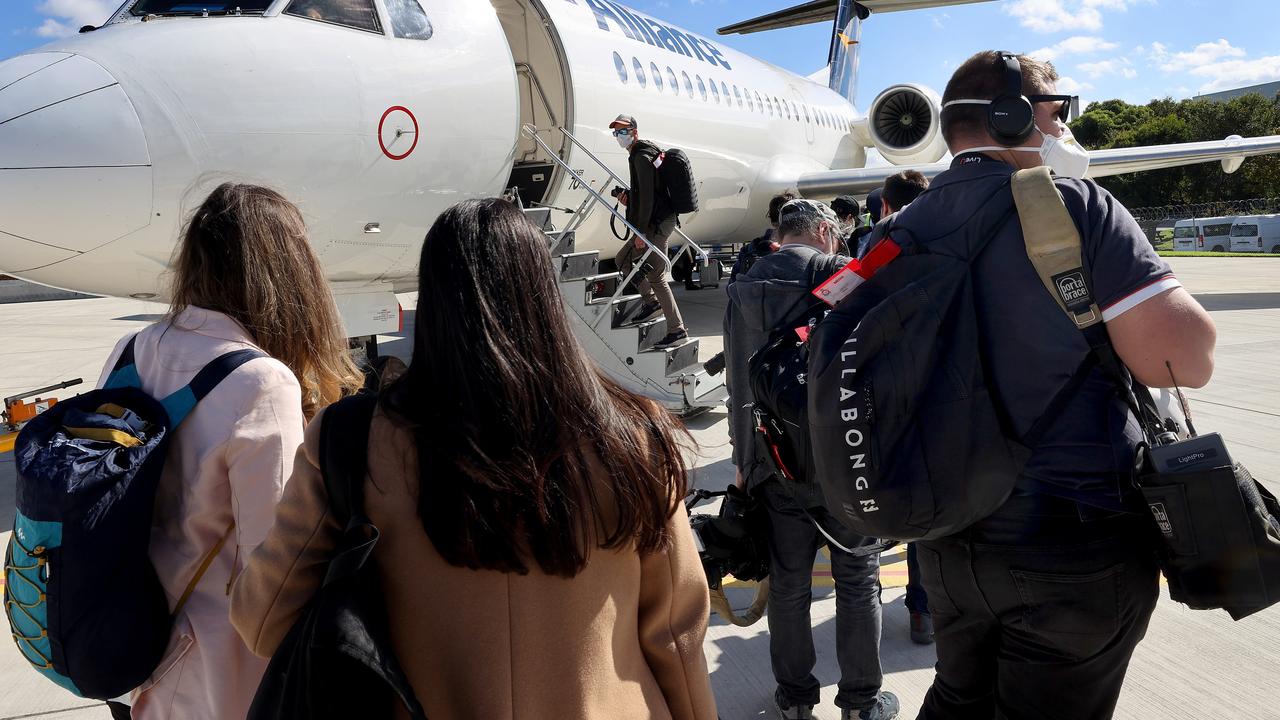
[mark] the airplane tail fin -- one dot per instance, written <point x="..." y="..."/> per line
<point x="846" y="31"/>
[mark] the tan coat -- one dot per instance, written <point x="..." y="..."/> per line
<point x="621" y="640"/>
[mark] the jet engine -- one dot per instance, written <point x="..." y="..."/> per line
<point x="905" y="125"/>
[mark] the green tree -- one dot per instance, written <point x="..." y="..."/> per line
<point x="1117" y="124"/>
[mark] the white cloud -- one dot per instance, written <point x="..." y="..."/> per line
<point x="1219" y="64"/>
<point x="53" y="28"/>
<point x="1238" y="73"/>
<point x="65" y="17"/>
<point x="1075" y="45"/>
<point x="1204" y="53"/>
<point x="939" y="21"/>
<point x="1048" y="16"/>
<point x="1115" y="66"/>
<point x="1071" y="86"/>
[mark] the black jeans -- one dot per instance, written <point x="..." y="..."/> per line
<point x="1036" y="612"/>
<point x="793" y="544"/>
<point x="917" y="600"/>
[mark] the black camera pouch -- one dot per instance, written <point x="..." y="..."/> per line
<point x="1220" y="532"/>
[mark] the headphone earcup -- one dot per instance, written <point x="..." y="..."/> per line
<point x="1011" y="119"/>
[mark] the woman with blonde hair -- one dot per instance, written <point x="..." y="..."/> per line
<point x="244" y="277"/>
<point x="534" y="555"/>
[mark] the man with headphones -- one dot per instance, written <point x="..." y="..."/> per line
<point x="1037" y="608"/>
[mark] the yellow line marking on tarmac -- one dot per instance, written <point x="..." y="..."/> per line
<point x="893" y="571"/>
<point x="6" y="442"/>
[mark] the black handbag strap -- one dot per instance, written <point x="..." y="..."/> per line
<point x="344" y="447"/>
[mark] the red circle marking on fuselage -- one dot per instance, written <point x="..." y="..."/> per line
<point x="383" y="121"/>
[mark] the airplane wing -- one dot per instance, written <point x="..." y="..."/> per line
<point x="825" y="10"/>
<point x="1231" y="152"/>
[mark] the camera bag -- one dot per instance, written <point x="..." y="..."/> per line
<point x="1217" y="528"/>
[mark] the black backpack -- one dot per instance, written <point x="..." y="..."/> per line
<point x="777" y="373"/>
<point x="675" y="172"/>
<point x="337" y="662"/>
<point x="908" y="442"/>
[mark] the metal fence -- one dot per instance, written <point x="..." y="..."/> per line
<point x="1150" y="218"/>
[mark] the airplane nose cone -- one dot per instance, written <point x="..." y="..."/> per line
<point x="75" y="172"/>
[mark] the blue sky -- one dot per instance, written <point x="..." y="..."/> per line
<point x="1131" y="49"/>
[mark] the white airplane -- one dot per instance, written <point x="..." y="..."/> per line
<point x="376" y="115"/>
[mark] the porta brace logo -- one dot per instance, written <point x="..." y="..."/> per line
<point x="1073" y="289"/>
<point x="1162" y="519"/>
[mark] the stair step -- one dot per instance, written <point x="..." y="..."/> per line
<point x="624" y="308"/>
<point x="578" y="265"/>
<point x="597" y="287"/>
<point x="680" y="356"/>
<point x="539" y="216"/>
<point x="650" y="332"/>
<point x="561" y="242"/>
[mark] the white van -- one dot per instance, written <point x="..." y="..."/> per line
<point x="1203" y="234"/>
<point x="1256" y="234"/>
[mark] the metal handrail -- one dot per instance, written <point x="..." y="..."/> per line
<point x="689" y="243"/>
<point x="528" y="70"/>
<point x="532" y="132"/>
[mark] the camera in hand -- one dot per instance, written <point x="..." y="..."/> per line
<point x="617" y="191"/>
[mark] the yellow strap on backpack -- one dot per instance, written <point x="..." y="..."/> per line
<point x="204" y="565"/>
<point x="1053" y="244"/>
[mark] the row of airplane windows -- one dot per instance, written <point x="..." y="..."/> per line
<point x="720" y="93"/>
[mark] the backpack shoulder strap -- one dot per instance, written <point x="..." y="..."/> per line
<point x="1053" y="245"/>
<point x="182" y="401"/>
<point x="344" y="454"/>
<point x="1054" y="248"/>
<point x="344" y="448"/>
<point x="124" y="373"/>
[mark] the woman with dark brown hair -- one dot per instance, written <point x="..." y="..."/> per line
<point x="244" y="277"/>
<point x="535" y="556"/>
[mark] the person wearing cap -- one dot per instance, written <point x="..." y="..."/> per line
<point x="649" y="212"/>
<point x="774" y="292"/>
<point x="850" y="214"/>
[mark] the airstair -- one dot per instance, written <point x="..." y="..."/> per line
<point x="605" y="317"/>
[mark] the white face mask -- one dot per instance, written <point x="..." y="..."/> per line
<point x="624" y="141"/>
<point x="1064" y="154"/>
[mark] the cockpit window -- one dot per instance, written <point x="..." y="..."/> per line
<point x="358" y="14"/>
<point x="408" y="21"/>
<point x="187" y="7"/>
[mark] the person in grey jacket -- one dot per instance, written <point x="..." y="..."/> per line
<point x="774" y="292"/>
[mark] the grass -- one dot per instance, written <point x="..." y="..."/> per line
<point x="1186" y="253"/>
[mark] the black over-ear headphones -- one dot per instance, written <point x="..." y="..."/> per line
<point x="1010" y="118"/>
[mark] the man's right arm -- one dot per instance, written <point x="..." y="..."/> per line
<point x="1151" y="319"/>
<point x="1170" y="328"/>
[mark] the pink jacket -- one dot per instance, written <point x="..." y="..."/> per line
<point x="229" y="459"/>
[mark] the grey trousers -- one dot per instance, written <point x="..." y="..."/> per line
<point x="653" y="284"/>
<point x="793" y="544"/>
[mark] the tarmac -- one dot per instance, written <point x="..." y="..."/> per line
<point x="1192" y="664"/>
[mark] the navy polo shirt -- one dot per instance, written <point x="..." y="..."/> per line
<point x="1033" y="349"/>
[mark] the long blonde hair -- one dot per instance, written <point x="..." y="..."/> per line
<point x="245" y="254"/>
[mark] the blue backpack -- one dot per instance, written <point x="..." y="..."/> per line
<point x="84" y="603"/>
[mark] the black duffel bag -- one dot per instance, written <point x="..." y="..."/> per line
<point x="337" y="662"/>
